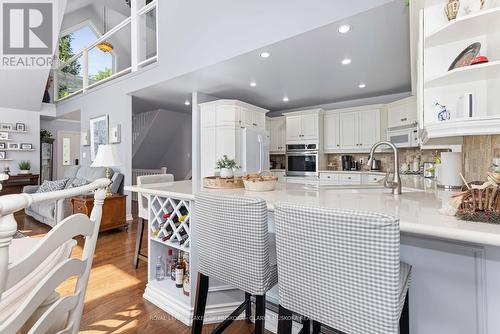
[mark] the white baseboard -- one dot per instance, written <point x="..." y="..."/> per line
<point x="184" y="311"/>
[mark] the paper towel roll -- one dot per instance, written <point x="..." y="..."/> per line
<point x="451" y="167"/>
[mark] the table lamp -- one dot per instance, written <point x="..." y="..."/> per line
<point x="107" y="157"/>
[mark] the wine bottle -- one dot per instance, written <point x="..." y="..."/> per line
<point x="179" y="272"/>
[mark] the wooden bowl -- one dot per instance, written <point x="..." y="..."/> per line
<point x="264" y="181"/>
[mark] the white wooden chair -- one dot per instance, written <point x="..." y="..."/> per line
<point x="143" y="210"/>
<point x="46" y="265"/>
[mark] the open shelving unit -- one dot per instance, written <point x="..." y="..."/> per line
<point x="441" y="42"/>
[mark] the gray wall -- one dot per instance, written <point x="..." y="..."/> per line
<point x="32" y="121"/>
<point x="168" y="144"/>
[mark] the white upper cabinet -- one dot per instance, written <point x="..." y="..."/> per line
<point x="402" y="112"/>
<point x="353" y="129"/>
<point x="349" y="130"/>
<point x="303" y="126"/>
<point x="278" y="135"/>
<point x="293" y="128"/>
<point x="309" y="125"/>
<point x="331" y="140"/>
<point x="368" y="128"/>
<point x="221" y="122"/>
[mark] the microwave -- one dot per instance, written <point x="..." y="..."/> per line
<point x="404" y="136"/>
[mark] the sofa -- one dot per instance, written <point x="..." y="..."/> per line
<point x="51" y="213"/>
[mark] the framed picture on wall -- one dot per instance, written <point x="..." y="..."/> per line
<point x="20" y="127"/>
<point x="4" y="135"/>
<point x="26" y="146"/>
<point x="13" y="146"/>
<point x="3" y="146"/>
<point x="99" y="134"/>
<point x="3" y="155"/>
<point x="6" y="126"/>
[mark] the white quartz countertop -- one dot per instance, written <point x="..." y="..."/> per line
<point x="417" y="209"/>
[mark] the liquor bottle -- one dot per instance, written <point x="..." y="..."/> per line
<point x="179" y="272"/>
<point x="172" y="267"/>
<point x="168" y="264"/>
<point x="186" y="284"/>
<point x="160" y="272"/>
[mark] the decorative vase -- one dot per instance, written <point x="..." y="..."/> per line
<point x="226" y="173"/>
<point x="451" y="9"/>
<point x="24" y="172"/>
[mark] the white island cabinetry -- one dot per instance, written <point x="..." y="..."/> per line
<point x="455" y="285"/>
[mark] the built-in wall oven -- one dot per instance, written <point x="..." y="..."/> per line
<point x="302" y="160"/>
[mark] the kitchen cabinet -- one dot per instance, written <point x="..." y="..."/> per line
<point x="368" y="128"/>
<point x="303" y="126"/>
<point x="277" y="130"/>
<point x="350" y="178"/>
<point x="331" y="140"/>
<point x="349" y="130"/>
<point x="353" y="130"/>
<point x="402" y="112"/>
<point x="221" y="122"/>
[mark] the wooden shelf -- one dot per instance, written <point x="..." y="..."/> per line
<point x="3" y="140"/>
<point x="6" y="159"/>
<point x="464" y="27"/>
<point x="466" y="74"/>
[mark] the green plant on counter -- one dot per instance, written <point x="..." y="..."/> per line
<point x="24" y="165"/>
<point x="225" y="162"/>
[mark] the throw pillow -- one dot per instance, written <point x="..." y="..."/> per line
<point x="48" y="186"/>
<point x="78" y="183"/>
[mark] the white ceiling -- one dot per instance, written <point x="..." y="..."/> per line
<point x="307" y="68"/>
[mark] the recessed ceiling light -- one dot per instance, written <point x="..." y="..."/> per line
<point x="253" y="84"/>
<point x="362" y="85"/>
<point x="285" y="99"/>
<point x="187" y="103"/>
<point x="265" y="54"/>
<point x="346" y="61"/>
<point x="345" y="28"/>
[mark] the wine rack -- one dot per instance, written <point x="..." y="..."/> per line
<point x="170" y="222"/>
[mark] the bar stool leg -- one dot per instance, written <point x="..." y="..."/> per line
<point x="284" y="320"/>
<point x="404" y="321"/>
<point x="138" y="241"/>
<point x="200" y="303"/>
<point x="316" y="327"/>
<point x="306" y="326"/>
<point x="260" y="314"/>
<point x="248" y="310"/>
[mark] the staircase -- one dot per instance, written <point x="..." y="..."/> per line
<point x="162" y="138"/>
<point x="141" y="124"/>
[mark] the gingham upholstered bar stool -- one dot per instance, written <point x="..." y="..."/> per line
<point x="341" y="269"/>
<point x="234" y="248"/>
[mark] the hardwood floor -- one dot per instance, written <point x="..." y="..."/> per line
<point x="114" y="303"/>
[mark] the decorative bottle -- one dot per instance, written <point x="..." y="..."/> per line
<point x="160" y="272"/>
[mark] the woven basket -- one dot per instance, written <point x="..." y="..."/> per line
<point x="260" y="182"/>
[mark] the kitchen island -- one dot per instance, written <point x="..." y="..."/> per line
<point x="456" y="277"/>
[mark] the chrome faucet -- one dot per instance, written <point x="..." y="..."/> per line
<point x="395" y="184"/>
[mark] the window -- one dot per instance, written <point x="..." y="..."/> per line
<point x="100" y="64"/>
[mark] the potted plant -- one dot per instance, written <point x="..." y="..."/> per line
<point x="24" y="167"/>
<point x="226" y="167"/>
